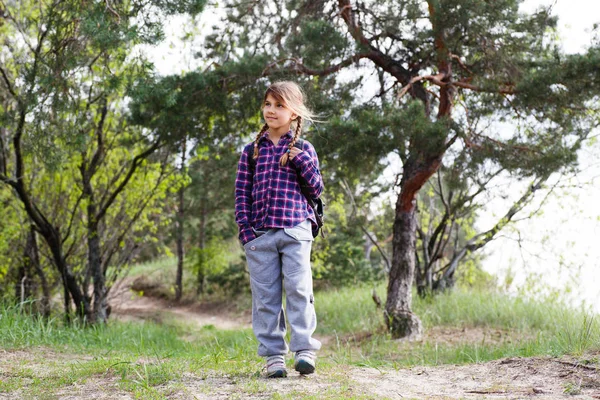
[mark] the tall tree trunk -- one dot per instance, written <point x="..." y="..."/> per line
<point x="400" y="319"/>
<point x="94" y="266"/>
<point x="100" y="305"/>
<point x="418" y="168"/>
<point x="201" y="275"/>
<point x="179" y="233"/>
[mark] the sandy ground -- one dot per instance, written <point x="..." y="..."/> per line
<point x="511" y="378"/>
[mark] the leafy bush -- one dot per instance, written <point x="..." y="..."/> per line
<point x="219" y="267"/>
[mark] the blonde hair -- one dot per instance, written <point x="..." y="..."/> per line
<point x="292" y="97"/>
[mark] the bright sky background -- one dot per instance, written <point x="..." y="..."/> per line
<point x="561" y="248"/>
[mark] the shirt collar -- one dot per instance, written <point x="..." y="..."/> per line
<point x="287" y="135"/>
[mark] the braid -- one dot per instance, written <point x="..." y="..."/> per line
<point x="258" y="136"/>
<point x="284" y="158"/>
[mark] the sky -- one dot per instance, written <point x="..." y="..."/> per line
<point x="559" y="249"/>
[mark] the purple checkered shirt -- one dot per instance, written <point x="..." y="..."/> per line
<point x="272" y="197"/>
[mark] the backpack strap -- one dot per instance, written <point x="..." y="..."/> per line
<point x="251" y="160"/>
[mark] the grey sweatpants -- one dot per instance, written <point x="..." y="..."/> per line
<point x="276" y="259"/>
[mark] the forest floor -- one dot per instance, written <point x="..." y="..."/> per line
<point x="508" y="378"/>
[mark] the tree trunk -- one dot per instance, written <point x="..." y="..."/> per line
<point x="23" y="285"/>
<point x="400" y="319"/>
<point x="94" y="267"/>
<point x="100" y="309"/>
<point x="50" y="234"/>
<point x="35" y="262"/>
<point x="179" y="233"/>
<point x="71" y="287"/>
<point x="201" y="276"/>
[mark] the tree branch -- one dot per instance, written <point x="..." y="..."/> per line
<point x="135" y="163"/>
<point x="480" y="240"/>
<point x="346" y="187"/>
<point x="500" y="90"/>
<point x="301" y="68"/>
<point x="8" y="84"/>
<point x="3" y="154"/>
<point x="72" y="218"/>
<point x="93" y="166"/>
<point x="109" y="253"/>
<point x="112" y="11"/>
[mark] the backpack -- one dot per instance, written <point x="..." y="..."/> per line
<point x="316" y="204"/>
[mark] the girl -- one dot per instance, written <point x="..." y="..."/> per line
<point x="275" y="226"/>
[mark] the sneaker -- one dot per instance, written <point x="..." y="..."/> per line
<point x="305" y="362"/>
<point x="276" y="366"/>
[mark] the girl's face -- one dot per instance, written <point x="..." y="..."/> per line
<point x="277" y="116"/>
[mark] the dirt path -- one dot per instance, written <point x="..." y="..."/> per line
<point x="128" y="306"/>
<point x="512" y="378"/>
<point x="503" y="379"/>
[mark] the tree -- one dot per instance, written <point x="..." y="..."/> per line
<point x="64" y="73"/>
<point x="213" y="110"/>
<point x="442" y="65"/>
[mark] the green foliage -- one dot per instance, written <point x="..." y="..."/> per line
<point x="10" y="231"/>
<point x="87" y="171"/>
<point x="192" y="7"/>
<point x="309" y="42"/>
<point x="471" y="276"/>
<point x="219" y="267"/>
<point x="339" y="259"/>
<point x="210" y="260"/>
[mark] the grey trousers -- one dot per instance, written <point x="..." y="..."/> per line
<point x="277" y="259"/>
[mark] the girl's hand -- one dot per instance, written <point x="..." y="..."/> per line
<point x="294" y="152"/>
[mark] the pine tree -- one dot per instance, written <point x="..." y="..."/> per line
<point x="443" y="65"/>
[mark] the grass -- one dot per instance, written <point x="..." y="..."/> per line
<point x="144" y="356"/>
<point x="150" y="360"/>
<point x="529" y="328"/>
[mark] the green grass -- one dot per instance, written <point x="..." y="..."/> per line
<point x="143" y="356"/>
<point x="351" y="310"/>
<point x="165" y="266"/>
<point x="529" y="328"/>
<point x="150" y="360"/>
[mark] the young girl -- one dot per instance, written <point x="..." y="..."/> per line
<point x="275" y="226"/>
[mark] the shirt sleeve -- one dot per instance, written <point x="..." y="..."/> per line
<point x="307" y="163"/>
<point x="243" y="198"/>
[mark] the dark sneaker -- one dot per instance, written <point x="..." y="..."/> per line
<point x="305" y="362"/>
<point x="276" y="367"/>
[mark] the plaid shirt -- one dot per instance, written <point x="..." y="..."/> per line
<point x="272" y="197"/>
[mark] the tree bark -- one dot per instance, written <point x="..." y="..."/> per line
<point x="179" y="233"/>
<point x="100" y="305"/>
<point x="400" y="319"/>
<point x="202" y="242"/>
<point x="71" y="287"/>
<point x="94" y="266"/>
<point x="23" y="285"/>
<point x="35" y="262"/>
